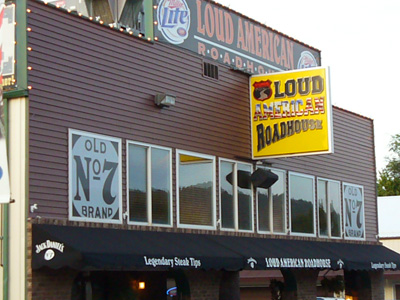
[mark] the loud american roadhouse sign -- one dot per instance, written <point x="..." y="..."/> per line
<point x="291" y="113"/>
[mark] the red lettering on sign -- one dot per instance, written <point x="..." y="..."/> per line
<point x="201" y="49"/>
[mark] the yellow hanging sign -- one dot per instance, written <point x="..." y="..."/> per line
<point x="291" y="113"/>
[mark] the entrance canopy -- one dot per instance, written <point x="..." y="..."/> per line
<point x="85" y="248"/>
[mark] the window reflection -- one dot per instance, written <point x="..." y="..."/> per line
<point x="322" y="208"/>
<point x="149" y="196"/>
<point x="196" y="184"/>
<point x="278" y="191"/>
<point x="137" y="183"/>
<point x="264" y="210"/>
<point x="245" y="201"/>
<point x="160" y="191"/>
<point x="236" y="196"/>
<point x="335" y="208"/>
<point x="227" y="205"/>
<point x="302" y="204"/>
<point x="272" y="205"/>
<point x="329" y="208"/>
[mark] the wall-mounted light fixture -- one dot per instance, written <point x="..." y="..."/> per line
<point x="164" y="100"/>
<point x="142" y="285"/>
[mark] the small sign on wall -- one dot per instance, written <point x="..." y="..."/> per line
<point x="353" y="210"/>
<point x="95" y="191"/>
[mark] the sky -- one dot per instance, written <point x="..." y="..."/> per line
<point x="360" y="42"/>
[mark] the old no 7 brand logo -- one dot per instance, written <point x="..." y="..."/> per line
<point x="94" y="177"/>
<point x="354" y="211"/>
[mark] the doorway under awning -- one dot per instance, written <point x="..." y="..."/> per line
<point x="89" y="248"/>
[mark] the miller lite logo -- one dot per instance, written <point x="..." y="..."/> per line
<point x="173" y="18"/>
<point x="306" y="60"/>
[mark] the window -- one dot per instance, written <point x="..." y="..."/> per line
<point x="302" y="204"/>
<point x="196" y="190"/>
<point x="236" y="196"/>
<point x="149" y="181"/>
<point x="271" y="204"/>
<point x="329" y="208"/>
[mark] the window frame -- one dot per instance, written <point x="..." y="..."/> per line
<point x="213" y="191"/>
<point x="149" y="185"/>
<point x="271" y="204"/>
<point x="329" y="221"/>
<point x="235" y="198"/>
<point x="313" y="202"/>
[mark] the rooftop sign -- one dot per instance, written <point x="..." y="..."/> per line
<point x="217" y="33"/>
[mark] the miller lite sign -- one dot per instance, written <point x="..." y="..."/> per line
<point x="173" y="18"/>
<point x="94" y="178"/>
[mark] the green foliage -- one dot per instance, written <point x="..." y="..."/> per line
<point x="389" y="177"/>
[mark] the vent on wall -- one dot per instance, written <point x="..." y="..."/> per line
<point x="210" y="70"/>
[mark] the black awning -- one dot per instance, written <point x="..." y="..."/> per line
<point x="114" y="249"/>
<point x="87" y="248"/>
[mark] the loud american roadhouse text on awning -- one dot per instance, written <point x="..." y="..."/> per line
<point x="298" y="263"/>
<point x="285" y="107"/>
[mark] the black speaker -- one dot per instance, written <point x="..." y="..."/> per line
<point x="263" y="178"/>
<point x="243" y="179"/>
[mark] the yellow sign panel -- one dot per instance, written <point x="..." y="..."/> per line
<point x="291" y="113"/>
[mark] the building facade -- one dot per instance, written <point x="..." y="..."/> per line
<point x="131" y="167"/>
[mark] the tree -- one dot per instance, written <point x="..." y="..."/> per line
<point x="389" y="177"/>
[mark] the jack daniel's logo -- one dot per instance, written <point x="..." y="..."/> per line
<point x="49" y="246"/>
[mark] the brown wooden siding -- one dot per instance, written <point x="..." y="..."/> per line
<point x="92" y="78"/>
